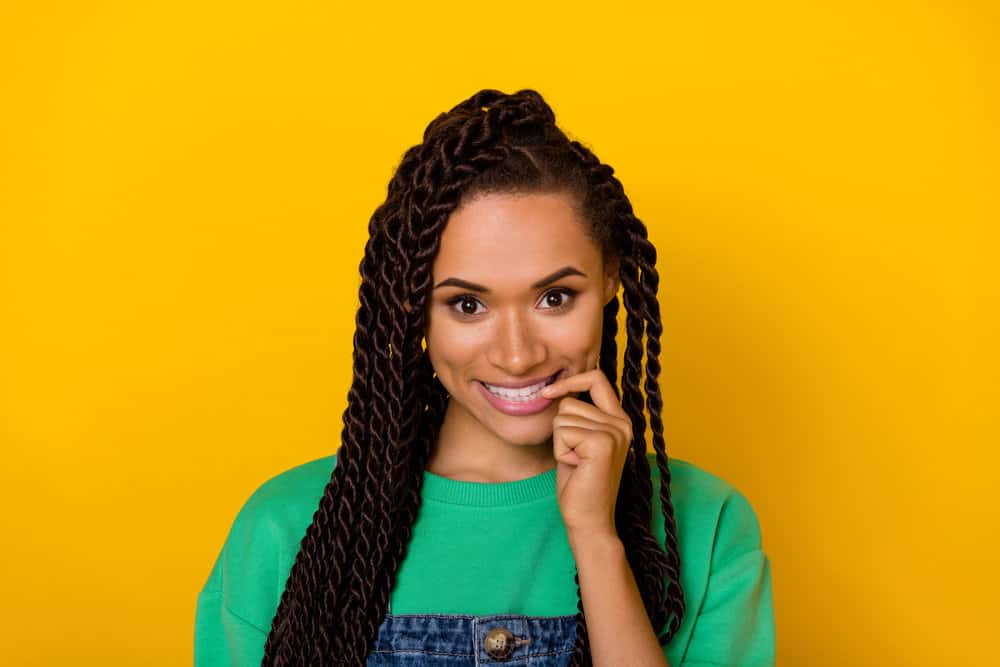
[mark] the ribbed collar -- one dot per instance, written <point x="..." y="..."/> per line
<point x="489" y="494"/>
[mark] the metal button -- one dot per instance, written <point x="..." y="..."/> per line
<point x="499" y="643"/>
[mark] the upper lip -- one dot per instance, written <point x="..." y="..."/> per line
<point x="517" y="384"/>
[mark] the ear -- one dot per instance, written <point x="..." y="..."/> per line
<point x="611" y="279"/>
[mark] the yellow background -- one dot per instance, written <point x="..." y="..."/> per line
<point x="184" y="195"/>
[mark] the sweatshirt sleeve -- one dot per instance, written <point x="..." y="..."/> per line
<point x="222" y="638"/>
<point x="225" y="635"/>
<point x="238" y="602"/>
<point x="734" y="626"/>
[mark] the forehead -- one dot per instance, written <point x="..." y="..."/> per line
<point x="514" y="237"/>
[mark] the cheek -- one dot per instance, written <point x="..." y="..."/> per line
<point x="451" y="348"/>
<point x="580" y="340"/>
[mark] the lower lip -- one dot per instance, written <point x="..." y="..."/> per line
<point x="531" y="407"/>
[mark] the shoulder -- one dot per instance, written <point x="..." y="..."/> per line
<point x="280" y="509"/>
<point x="693" y="485"/>
<point x="264" y="540"/>
<point x="713" y="515"/>
<point x="725" y="573"/>
<point x="301" y="485"/>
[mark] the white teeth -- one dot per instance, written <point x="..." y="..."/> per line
<point x="522" y="394"/>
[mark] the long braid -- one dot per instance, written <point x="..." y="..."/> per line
<point x="314" y="590"/>
<point x="358" y="511"/>
<point x="649" y="285"/>
<point x="650" y="565"/>
<point x="316" y="572"/>
<point x="633" y="511"/>
<point x="435" y="398"/>
<point x="384" y="430"/>
<point x="409" y="291"/>
<point x="339" y="586"/>
<point x="411" y="280"/>
<point x="641" y="282"/>
<point x="630" y="510"/>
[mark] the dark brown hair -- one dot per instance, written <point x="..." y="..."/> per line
<point x="337" y="592"/>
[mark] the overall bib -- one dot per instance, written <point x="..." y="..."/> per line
<point x="455" y="640"/>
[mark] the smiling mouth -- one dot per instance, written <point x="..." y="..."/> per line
<point x="521" y="393"/>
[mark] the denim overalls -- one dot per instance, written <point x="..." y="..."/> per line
<point x="454" y="640"/>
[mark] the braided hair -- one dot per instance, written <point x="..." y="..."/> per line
<point x="338" y="589"/>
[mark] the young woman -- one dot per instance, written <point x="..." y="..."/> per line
<point x="492" y="499"/>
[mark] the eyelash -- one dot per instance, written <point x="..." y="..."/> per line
<point x="571" y="293"/>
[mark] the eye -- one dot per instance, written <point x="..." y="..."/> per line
<point x="559" y="298"/>
<point x="466" y="305"/>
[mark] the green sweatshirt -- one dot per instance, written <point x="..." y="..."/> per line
<point x="462" y="560"/>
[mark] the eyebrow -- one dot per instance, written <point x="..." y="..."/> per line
<point x="551" y="278"/>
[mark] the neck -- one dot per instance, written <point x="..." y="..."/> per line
<point x="466" y="451"/>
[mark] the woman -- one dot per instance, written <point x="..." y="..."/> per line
<point x="492" y="498"/>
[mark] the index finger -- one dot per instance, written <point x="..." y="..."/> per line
<point x="593" y="381"/>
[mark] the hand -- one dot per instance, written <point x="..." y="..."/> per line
<point x="590" y="444"/>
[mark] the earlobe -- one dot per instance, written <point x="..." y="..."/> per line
<point x="610" y="288"/>
<point x="611" y="280"/>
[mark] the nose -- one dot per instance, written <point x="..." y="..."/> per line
<point x="516" y="348"/>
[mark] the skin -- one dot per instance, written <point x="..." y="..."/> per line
<point x="506" y="243"/>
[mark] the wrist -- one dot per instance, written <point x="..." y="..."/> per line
<point x="585" y="543"/>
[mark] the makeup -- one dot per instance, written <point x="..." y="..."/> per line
<point x="518" y="401"/>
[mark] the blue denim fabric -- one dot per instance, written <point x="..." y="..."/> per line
<point x="454" y="640"/>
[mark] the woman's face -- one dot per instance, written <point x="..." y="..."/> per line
<point x="518" y="294"/>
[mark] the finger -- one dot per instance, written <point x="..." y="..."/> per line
<point x="581" y="422"/>
<point x="593" y="381"/>
<point x="568" y="457"/>
<point x="583" y="442"/>
<point x="565" y="440"/>
<point x="574" y="406"/>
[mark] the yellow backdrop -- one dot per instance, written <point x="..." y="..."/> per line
<point x="184" y="194"/>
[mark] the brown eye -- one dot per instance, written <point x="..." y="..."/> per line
<point x="558" y="299"/>
<point x="466" y="305"/>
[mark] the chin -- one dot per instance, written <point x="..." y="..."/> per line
<point x="526" y="437"/>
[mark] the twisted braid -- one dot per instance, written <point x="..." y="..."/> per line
<point x="340" y="583"/>
<point x="649" y="284"/>
<point x="641" y="281"/>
